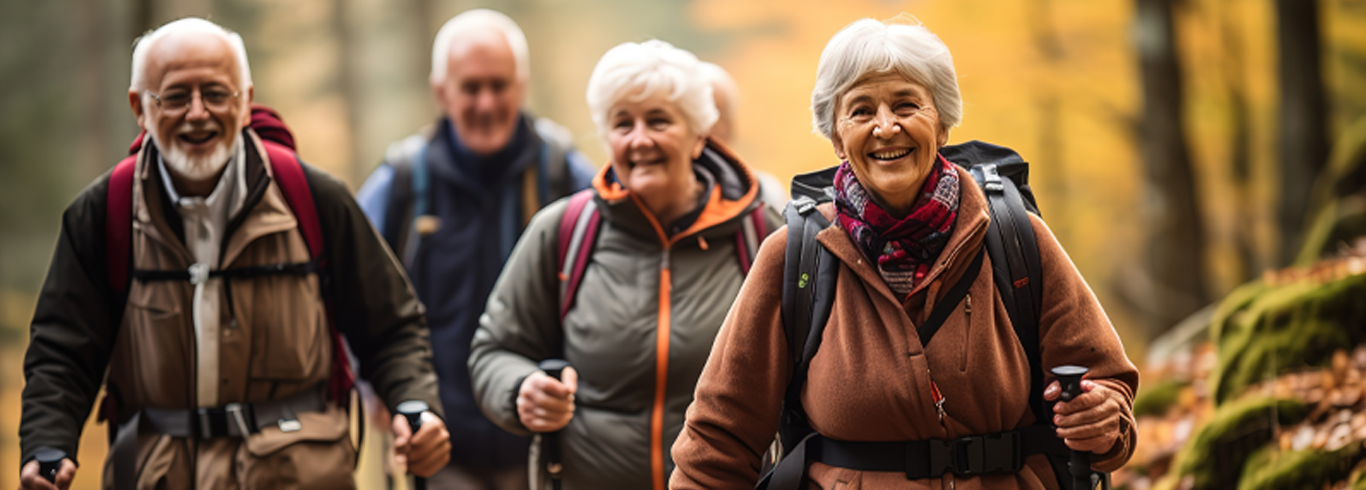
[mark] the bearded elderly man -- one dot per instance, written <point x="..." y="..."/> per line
<point x="211" y="274"/>
<point x="452" y="201"/>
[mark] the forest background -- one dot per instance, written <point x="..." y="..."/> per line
<point x="1173" y="143"/>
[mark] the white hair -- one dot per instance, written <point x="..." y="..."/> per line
<point x="188" y="24"/>
<point x="645" y="69"/>
<point x="471" y="21"/>
<point x="866" y="47"/>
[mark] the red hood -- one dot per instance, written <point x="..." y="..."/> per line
<point x="267" y="123"/>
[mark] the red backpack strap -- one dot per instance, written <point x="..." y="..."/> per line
<point x="118" y="223"/>
<point x="751" y="234"/>
<point x="289" y="175"/>
<point x="577" y="235"/>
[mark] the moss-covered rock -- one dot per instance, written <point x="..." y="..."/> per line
<point x="1155" y="401"/>
<point x="1271" y="469"/>
<point x="1269" y="330"/>
<point x="1214" y="456"/>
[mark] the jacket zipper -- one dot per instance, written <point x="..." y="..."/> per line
<point x="661" y="371"/>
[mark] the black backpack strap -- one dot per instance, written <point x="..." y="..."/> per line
<point x="1014" y="255"/>
<point x="949" y="302"/>
<point x="809" y="277"/>
<point x="1014" y="252"/>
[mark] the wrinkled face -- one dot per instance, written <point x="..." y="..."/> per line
<point x="886" y="126"/>
<point x="481" y="93"/>
<point x="202" y="108"/>
<point x="652" y="146"/>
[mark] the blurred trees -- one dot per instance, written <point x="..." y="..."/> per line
<point x="1174" y="222"/>
<point x="1304" y="131"/>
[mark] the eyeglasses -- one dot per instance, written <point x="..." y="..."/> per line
<point x="177" y="100"/>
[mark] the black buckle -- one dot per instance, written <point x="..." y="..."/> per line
<point x="233" y="420"/>
<point x="1001" y="453"/>
<point x="975" y="455"/>
<point x="213" y="422"/>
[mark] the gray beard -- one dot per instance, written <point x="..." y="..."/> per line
<point x="195" y="168"/>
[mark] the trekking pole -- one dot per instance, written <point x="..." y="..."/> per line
<point x="1079" y="465"/>
<point x="551" y="440"/>
<point x="412" y="410"/>
<point x="49" y="461"/>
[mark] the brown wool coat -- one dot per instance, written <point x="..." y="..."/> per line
<point x="870" y="379"/>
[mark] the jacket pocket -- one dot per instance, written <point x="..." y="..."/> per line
<point x="318" y="455"/>
<point x="289" y="330"/>
<point x="153" y="360"/>
<point x="163" y="463"/>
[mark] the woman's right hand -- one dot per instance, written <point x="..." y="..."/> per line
<point x="545" y="404"/>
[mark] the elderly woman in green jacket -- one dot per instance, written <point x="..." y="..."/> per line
<point x="679" y="222"/>
<point x="889" y="409"/>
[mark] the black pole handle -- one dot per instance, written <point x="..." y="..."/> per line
<point x="1079" y="464"/>
<point x="412" y="410"/>
<point x="551" y="441"/>
<point x="49" y="463"/>
<point x="554" y="367"/>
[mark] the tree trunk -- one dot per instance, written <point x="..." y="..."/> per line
<point x="1303" y="131"/>
<point x="1174" y="258"/>
<point x="1240" y="146"/>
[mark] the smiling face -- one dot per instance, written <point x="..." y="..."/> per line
<point x="481" y="92"/>
<point x="652" y="149"/>
<point x="888" y="129"/>
<point x="201" y="70"/>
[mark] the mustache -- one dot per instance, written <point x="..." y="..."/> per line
<point x="198" y="126"/>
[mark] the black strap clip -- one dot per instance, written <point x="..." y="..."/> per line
<point x="233" y="420"/>
<point x="975" y="455"/>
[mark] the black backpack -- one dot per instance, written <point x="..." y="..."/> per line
<point x="808" y="293"/>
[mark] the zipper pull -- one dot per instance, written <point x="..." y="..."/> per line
<point x="938" y="400"/>
<point x="967" y="305"/>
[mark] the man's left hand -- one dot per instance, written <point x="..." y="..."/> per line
<point x="428" y="450"/>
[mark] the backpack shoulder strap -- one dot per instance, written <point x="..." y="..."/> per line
<point x="553" y="181"/>
<point x="407" y="159"/>
<point x="289" y="175"/>
<point x="1014" y="253"/>
<point x="809" y="276"/>
<point x="749" y="236"/>
<point x="118" y="223"/>
<point x="578" y="233"/>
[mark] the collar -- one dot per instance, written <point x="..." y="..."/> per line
<point x="230" y="183"/>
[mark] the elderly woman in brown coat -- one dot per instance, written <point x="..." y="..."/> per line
<point x="906" y="227"/>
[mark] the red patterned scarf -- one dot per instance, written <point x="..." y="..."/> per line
<point x="904" y="248"/>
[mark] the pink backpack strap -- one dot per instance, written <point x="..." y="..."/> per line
<point x="751" y="234"/>
<point x="289" y="175"/>
<point x="577" y="234"/>
<point x="118" y="223"/>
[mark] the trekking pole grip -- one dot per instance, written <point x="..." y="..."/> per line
<point x="1079" y="464"/>
<point x="551" y="440"/>
<point x="49" y="462"/>
<point x="412" y="410"/>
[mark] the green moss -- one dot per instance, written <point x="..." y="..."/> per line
<point x="1157" y="399"/>
<point x="1214" y="456"/>
<point x="1267" y="331"/>
<point x="1272" y="469"/>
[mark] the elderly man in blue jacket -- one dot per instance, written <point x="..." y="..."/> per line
<point x="452" y="200"/>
